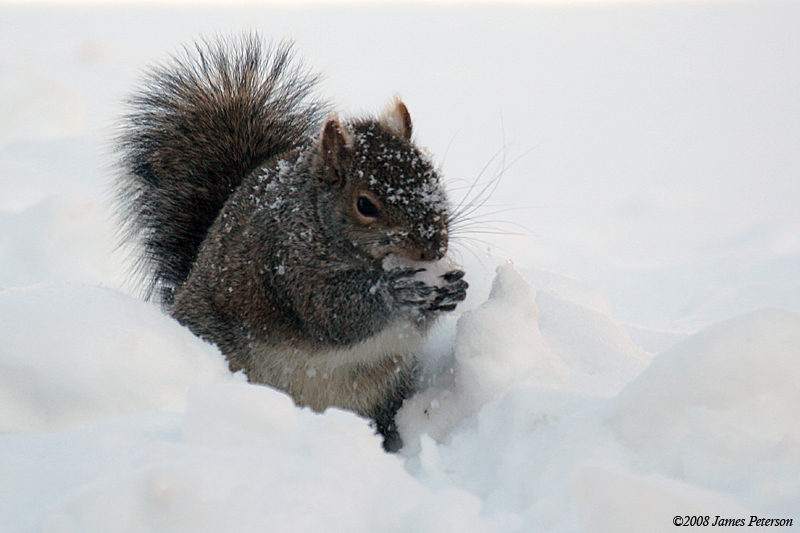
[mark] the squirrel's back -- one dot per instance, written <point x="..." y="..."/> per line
<point x="195" y="128"/>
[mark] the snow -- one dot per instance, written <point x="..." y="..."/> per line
<point x="55" y="377"/>
<point x="629" y="350"/>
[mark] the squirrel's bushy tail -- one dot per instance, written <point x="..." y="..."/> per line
<point x="196" y="127"/>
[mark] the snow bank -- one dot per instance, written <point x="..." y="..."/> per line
<point x="722" y="409"/>
<point x="709" y="428"/>
<point x="65" y="238"/>
<point x="522" y="430"/>
<point x="307" y="472"/>
<point x="611" y="501"/>
<point x="242" y="457"/>
<point x="71" y="355"/>
<point x="524" y="337"/>
<point x="166" y="439"/>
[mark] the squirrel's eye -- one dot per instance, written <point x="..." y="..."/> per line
<point x="366" y="208"/>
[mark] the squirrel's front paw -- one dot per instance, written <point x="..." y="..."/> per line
<point x="408" y="291"/>
<point x="453" y="290"/>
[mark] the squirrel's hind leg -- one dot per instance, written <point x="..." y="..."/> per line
<point x="384" y="413"/>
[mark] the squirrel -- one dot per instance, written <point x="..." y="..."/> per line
<point x="292" y="239"/>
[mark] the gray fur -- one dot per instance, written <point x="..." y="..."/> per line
<point x="266" y="228"/>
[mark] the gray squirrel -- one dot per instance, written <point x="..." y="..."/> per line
<point x="269" y="227"/>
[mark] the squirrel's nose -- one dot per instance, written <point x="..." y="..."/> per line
<point x="427" y="255"/>
<point x="431" y="252"/>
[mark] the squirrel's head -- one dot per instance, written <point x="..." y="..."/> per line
<point x="388" y="196"/>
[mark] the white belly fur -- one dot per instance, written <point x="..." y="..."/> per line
<point x="354" y="378"/>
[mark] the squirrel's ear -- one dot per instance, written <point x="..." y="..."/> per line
<point x="397" y="119"/>
<point x="334" y="147"/>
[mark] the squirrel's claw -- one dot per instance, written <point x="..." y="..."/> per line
<point x="453" y="275"/>
<point x="448" y="296"/>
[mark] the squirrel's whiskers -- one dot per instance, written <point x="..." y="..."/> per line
<point x="469" y="218"/>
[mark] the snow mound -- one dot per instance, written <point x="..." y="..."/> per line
<point x="499" y="343"/>
<point x="710" y="427"/>
<point x="62" y="238"/>
<point x="531" y="427"/>
<point x="70" y="355"/>
<point x="722" y="408"/>
<point x="239" y="460"/>
<point x="521" y="336"/>
<point x="611" y="501"/>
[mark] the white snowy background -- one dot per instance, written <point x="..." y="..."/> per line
<point x="638" y="358"/>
